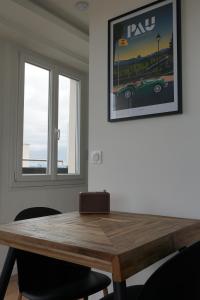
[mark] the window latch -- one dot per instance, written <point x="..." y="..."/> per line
<point x="57" y="131"/>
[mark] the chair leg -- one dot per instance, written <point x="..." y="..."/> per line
<point x="19" y="296"/>
<point x="105" y="292"/>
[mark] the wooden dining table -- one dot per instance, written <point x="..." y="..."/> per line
<point x="120" y="243"/>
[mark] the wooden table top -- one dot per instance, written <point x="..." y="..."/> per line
<point x="120" y="243"/>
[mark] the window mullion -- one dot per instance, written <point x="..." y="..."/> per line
<point x="53" y="124"/>
<point x="20" y="117"/>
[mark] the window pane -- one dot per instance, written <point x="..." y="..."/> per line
<point x="35" y="127"/>
<point x="67" y="125"/>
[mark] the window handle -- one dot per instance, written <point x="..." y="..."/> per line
<point x="57" y="131"/>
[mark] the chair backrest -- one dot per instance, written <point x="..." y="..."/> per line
<point x="36" y="212"/>
<point x="37" y="271"/>
<point x="176" y="279"/>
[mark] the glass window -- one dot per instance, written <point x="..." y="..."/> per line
<point x="49" y="129"/>
<point x="67" y="126"/>
<point x="35" y="126"/>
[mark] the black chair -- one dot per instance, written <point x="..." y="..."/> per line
<point x="176" y="279"/>
<point x="44" y="278"/>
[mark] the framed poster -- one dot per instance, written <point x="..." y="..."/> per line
<point x="144" y="58"/>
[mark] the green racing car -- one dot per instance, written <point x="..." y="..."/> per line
<point x="144" y="87"/>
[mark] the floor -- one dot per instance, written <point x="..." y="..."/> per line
<point x="12" y="291"/>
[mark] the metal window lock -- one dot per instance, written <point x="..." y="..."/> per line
<point x="57" y="131"/>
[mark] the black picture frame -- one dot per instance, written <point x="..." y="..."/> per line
<point x="144" y="62"/>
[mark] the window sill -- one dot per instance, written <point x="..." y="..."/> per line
<point x="40" y="181"/>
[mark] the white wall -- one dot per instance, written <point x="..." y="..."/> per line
<point x="12" y="200"/>
<point x="149" y="165"/>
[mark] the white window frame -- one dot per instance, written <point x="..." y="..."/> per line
<point x="53" y="178"/>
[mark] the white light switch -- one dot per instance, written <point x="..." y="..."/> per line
<point x="96" y="157"/>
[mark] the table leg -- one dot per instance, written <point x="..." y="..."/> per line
<point x="120" y="292"/>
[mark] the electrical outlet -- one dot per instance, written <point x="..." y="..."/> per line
<point x="96" y="157"/>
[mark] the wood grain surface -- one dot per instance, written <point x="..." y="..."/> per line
<point x="120" y="243"/>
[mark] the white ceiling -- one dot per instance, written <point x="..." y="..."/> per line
<point x="54" y="28"/>
<point x="67" y="11"/>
